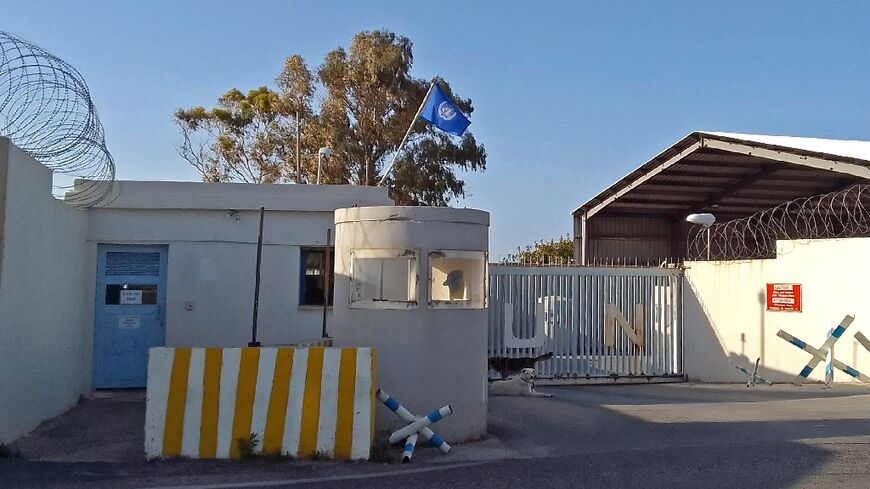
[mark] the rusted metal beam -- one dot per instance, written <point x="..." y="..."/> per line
<point x="666" y="186"/>
<point x="677" y="198"/>
<point x="737" y="161"/>
<point x="647" y="205"/>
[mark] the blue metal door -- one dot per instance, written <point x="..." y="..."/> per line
<point x="129" y="315"/>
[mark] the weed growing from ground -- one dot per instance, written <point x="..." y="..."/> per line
<point x="382" y="452"/>
<point x="9" y="451"/>
<point x="248" y="447"/>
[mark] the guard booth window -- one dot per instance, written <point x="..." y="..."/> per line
<point x="311" y="276"/>
<point x="384" y="279"/>
<point x="457" y="279"/>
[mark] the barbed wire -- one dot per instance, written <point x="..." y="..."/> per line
<point x="535" y="260"/>
<point x="841" y="214"/>
<point x="47" y="111"/>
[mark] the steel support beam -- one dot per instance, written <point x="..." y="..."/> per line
<point x="716" y="197"/>
<point x="800" y="160"/>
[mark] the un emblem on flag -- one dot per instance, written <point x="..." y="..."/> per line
<point x="446" y="111"/>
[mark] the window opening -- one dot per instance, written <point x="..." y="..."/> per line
<point x="311" y="275"/>
<point x="457" y="279"/>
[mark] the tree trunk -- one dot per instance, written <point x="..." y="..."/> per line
<point x="368" y="171"/>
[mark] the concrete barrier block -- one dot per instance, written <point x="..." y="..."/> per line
<point x="296" y="401"/>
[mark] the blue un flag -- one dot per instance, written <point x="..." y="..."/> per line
<point x="441" y="112"/>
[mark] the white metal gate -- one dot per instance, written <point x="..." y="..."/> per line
<point x="601" y="324"/>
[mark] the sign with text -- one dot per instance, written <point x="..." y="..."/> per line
<point x="129" y="322"/>
<point x="131" y="297"/>
<point x="784" y="297"/>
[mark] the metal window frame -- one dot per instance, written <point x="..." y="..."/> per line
<point x="458" y="254"/>
<point x="302" y="251"/>
<point x="413" y="256"/>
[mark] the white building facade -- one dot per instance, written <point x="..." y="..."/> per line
<point x="84" y="293"/>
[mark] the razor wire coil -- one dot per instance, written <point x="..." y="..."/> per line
<point x="47" y="111"/>
<point x="841" y="214"/>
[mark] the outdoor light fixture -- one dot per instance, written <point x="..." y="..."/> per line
<point x="705" y="220"/>
<point x="322" y="153"/>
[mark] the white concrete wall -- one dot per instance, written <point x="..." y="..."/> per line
<point x="211" y="233"/>
<point x="48" y="272"/>
<point x="726" y="322"/>
<point x="45" y="342"/>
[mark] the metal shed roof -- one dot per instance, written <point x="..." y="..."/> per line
<point x="733" y="175"/>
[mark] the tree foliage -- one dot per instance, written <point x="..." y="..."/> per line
<point x="554" y="251"/>
<point x="243" y="137"/>
<point x="359" y="102"/>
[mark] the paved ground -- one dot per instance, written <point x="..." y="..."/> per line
<point x="671" y="435"/>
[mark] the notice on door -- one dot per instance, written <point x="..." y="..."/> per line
<point x="130" y="297"/>
<point x="129" y="322"/>
<point x="784" y="297"/>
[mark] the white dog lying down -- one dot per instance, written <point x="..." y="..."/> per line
<point x="517" y="385"/>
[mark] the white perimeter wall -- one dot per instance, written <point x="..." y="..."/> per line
<point x="48" y="268"/>
<point x="211" y="264"/>
<point x="210" y="230"/>
<point x="726" y="322"/>
<point x="45" y="343"/>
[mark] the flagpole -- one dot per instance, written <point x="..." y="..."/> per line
<point x="408" y="133"/>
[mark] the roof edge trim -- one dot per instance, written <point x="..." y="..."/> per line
<point x="732" y="144"/>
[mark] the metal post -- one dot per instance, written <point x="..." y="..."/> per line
<point x="829" y="364"/>
<point x="298" y="154"/>
<point x="319" y="165"/>
<point x="751" y="382"/>
<point x="408" y="133"/>
<point x="254" y="341"/>
<point x="325" y="275"/>
<point x="708" y="243"/>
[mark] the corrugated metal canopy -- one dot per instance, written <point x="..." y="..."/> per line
<point x="733" y="175"/>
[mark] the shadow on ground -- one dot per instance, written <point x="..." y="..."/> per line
<point x="669" y="435"/>
<point x="106" y="427"/>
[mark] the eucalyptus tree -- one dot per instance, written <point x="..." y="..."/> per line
<point x="360" y="102"/>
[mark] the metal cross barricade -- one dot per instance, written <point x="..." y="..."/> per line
<point x="753" y="376"/>
<point x="417" y="426"/>
<point x="820" y="354"/>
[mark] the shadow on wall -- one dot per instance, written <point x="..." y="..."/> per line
<point x="726" y="317"/>
<point x="706" y="356"/>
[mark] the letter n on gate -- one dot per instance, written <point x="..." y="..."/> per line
<point x="614" y="320"/>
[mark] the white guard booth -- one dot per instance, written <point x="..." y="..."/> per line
<point x="411" y="282"/>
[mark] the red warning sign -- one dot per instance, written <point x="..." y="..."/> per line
<point x="784" y="297"/>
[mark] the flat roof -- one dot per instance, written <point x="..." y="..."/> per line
<point x="239" y="196"/>
<point x="733" y="175"/>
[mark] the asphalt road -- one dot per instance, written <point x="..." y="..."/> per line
<point x="599" y="437"/>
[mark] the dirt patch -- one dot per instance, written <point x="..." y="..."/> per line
<point x="104" y="427"/>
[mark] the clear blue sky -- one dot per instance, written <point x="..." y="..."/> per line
<point x="568" y="96"/>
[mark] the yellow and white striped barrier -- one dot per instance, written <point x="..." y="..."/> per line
<point x="297" y="401"/>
